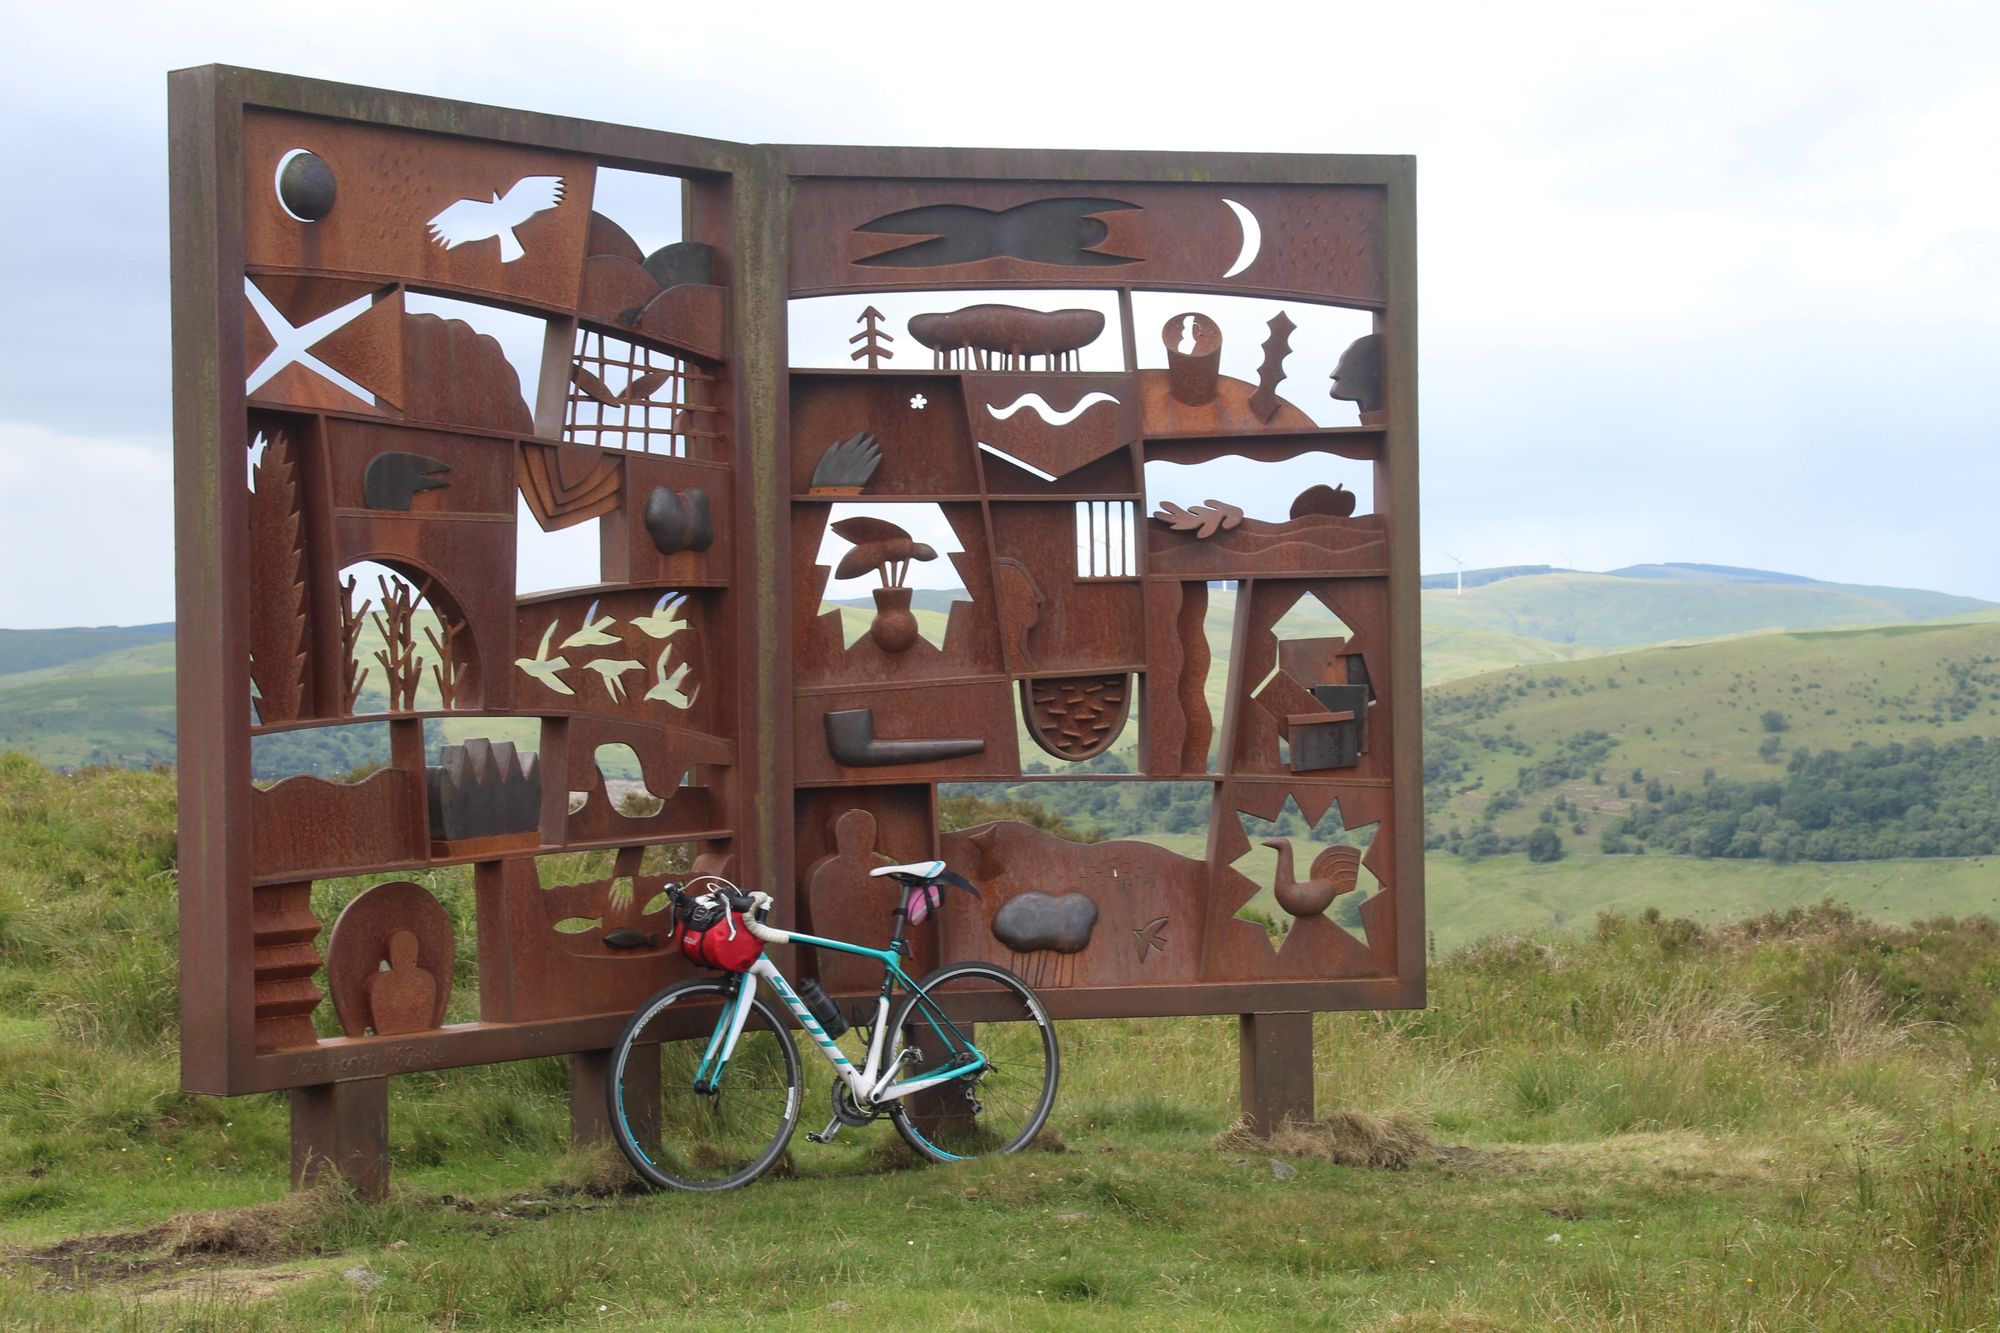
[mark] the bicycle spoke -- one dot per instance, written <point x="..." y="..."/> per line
<point x="999" y="1107"/>
<point x="680" y="1134"/>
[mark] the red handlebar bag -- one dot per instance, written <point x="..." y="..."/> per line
<point x="715" y="947"/>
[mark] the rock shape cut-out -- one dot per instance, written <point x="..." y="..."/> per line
<point x="1041" y="929"/>
<point x="678" y="520"/>
<point x="1041" y="922"/>
<point x="365" y="938"/>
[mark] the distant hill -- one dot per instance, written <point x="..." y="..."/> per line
<point x="1707" y="574"/>
<point x="1623" y="610"/>
<point x="34" y="649"/>
<point x="80" y="696"/>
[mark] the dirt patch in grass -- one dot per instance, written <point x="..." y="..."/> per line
<point x="1347" y="1138"/>
<point x="259" y="1233"/>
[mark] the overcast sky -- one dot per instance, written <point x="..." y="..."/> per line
<point x="1711" y="282"/>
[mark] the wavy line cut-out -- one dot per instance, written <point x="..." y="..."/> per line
<point x="1042" y="408"/>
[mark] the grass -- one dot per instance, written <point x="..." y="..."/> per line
<point x="1784" y="1122"/>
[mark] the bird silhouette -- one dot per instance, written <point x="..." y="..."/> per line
<point x="592" y="634"/>
<point x="1043" y="231"/>
<point x="667" y="688"/>
<point x="1334" y="872"/>
<point x="548" y="670"/>
<point x="664" y="620"/>
<point x="612" y="669"/>
<point x="471" y="220"/>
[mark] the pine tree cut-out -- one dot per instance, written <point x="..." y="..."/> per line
<point x="872" y="339"/>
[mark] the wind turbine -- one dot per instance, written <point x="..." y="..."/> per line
<point x="1461" y="571"/>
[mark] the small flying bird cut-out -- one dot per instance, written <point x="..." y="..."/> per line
<point x="548" y="670"/>
<point x="471" y="220"/>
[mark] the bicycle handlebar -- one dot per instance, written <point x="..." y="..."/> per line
<point x="760" y="903"/>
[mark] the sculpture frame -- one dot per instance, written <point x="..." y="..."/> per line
<point x="743" y="205"/>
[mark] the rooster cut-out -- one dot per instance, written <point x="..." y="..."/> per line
<point x="471" y="220"/>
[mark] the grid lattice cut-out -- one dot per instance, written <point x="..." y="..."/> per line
<point x="626" y="396"/>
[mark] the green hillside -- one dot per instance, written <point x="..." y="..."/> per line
<point x="1586" y="739"/>
<point x="72" y="697"/>
<point x="33" y="649"/>
<point x="113" y="707"/>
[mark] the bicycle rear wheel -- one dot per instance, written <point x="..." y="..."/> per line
<point x="998" y="1107"/>
<point x="678" y="1135"/>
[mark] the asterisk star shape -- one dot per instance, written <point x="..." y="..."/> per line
<point x="919" y="402"/>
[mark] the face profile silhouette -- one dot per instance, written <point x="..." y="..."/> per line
<point x="1357" y="376"/>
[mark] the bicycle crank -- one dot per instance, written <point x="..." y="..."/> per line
<point x="846" y="1111"/>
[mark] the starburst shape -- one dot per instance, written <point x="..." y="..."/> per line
<point x="920" y="402"/>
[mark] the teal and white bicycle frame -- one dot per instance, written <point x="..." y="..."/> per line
<point x="876" y="1081"/>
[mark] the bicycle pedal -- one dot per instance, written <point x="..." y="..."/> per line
<point x="826" y="1135"/>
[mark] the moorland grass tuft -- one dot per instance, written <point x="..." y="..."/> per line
<point x="1790" y="1121"/>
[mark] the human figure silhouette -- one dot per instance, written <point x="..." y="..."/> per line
<point x="401" y="997"/>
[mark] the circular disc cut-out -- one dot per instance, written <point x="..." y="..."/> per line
<point x="305" y="185"/>
<point x="368" y="998"/>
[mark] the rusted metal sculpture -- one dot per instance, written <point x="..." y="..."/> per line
<point x="665" y="412"/>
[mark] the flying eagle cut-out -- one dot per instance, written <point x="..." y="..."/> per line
<point x="471" y="220"/>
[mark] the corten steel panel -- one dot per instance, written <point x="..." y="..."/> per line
<point x="703" y="645"/>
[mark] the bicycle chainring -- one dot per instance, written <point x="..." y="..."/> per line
<point x="845" y="1107"/>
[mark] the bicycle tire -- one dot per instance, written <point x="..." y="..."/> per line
<point x="706" y="1141"/>
<point x="996" y="1109"/>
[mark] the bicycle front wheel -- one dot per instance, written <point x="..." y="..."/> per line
<point x="682" y="1134"/>
<point x="998" y="1107"/>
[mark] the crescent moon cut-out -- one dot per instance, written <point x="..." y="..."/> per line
<point x="1253" y="238"/>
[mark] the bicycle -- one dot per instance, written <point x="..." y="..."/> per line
<point x="717" y="1115"/>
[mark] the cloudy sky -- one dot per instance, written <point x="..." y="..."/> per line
<point x="1712" y="282"/>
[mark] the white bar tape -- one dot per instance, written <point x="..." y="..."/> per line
<point x="759" y="901"/>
